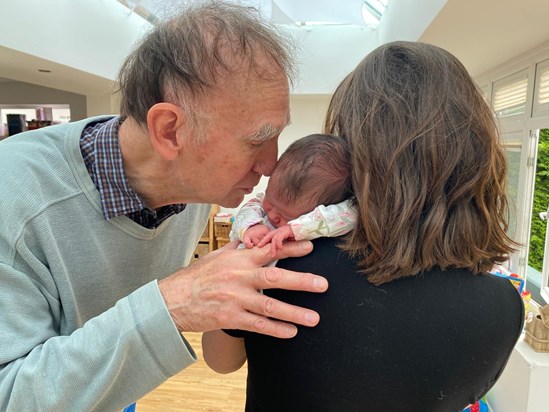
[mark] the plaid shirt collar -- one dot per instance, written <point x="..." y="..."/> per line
<point x="101" y="153"/>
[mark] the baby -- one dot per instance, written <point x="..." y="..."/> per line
<point x="307" y="196"/>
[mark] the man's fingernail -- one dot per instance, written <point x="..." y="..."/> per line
<point x="290" y="331"/>
<point x="320" y="283"/>
<point x="312" y="318"/>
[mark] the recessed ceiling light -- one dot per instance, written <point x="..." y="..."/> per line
<point x="44" y="71"/>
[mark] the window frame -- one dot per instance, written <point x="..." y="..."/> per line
<point x="525" y="125"/>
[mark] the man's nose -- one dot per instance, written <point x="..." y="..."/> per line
<point x="267" y="158"/>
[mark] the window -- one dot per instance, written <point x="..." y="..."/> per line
<point x="4" y="112"/>
<point x="538" y="246"/>
<point x="509" y="95"/>
<point x="372" y="11"/>
<point x="287" y="11"/>
<point x="545" y="272"/>
<point x="484" y="91"/>
<point x="57" y="113"/>
<point x="520" y="97"/>
<point x="513" y="152"/>
<point x="541" y="90"/>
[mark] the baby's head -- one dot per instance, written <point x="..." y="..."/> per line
<point x="313" y="171"/>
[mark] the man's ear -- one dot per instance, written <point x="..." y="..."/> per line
<point x="164" y="121"/>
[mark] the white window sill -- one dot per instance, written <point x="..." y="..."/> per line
<point x="545" y="293"/>
<point x="524" y="384"/>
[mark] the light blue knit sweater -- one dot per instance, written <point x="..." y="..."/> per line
<point x="83" y="325"/>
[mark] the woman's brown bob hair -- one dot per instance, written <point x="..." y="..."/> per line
<point x="428" y="171"/>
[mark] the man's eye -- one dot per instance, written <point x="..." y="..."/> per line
<point x="257" y="143"/>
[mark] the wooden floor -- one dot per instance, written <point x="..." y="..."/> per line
<point x="198" y="389"/>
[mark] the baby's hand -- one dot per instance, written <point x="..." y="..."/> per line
<point x="277" y="237"/>
<point x="254" y="234"/>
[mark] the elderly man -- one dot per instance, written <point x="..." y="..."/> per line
<point x="100" y="217"/>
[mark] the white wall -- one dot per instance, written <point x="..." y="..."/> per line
<point x="13" y="92"/>
<point x="100" y="105"/>
<point x="307" y="117"/>
<point x="17" y="93"/>
<point x="326" y="54"/>
<point x="407" y="20"/>
<point x="89" y="35"/>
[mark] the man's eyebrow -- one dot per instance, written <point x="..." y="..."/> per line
<point x="267" y="132"/>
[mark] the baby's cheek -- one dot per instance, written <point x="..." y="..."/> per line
<point x="274" y="219"/>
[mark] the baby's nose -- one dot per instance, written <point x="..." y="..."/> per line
<point x="275" y="219"/>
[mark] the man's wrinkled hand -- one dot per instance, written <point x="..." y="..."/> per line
<point x="222" y="291"/>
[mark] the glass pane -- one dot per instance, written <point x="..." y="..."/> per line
<point x="543" y="94"/>
<point x="513" y="154"/>
<point x="541" y="89"/>
<point x="509" y="95"/>
<point x="30" y="114"/>
<point x="61" y="115"/>
<point x="538" y="226"/>
<point x="372" y="10"/>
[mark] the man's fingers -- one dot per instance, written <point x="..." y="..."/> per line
<point x="276" y="278"/>
<point x="268" y="316"/>
<point x="276" y="309"/>
<point x="260" y="324"/>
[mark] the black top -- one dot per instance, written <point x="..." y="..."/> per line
<point x="433" y="342"/>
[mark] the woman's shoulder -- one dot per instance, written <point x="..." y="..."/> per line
<point x="456" y="292"/>
<point x="473" y="288"/>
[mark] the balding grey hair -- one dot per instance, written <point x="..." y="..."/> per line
<point x="184" y="56"/>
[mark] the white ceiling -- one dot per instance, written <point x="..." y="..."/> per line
<point x="24" y="67"/>
<point x="483" y="34"/>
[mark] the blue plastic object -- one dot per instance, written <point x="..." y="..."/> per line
<point x="130" y="408"/>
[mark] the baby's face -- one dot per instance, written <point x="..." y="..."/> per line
<point x="280" y="214"/>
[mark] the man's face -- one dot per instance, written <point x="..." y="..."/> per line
<point x="245" y="118"/>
